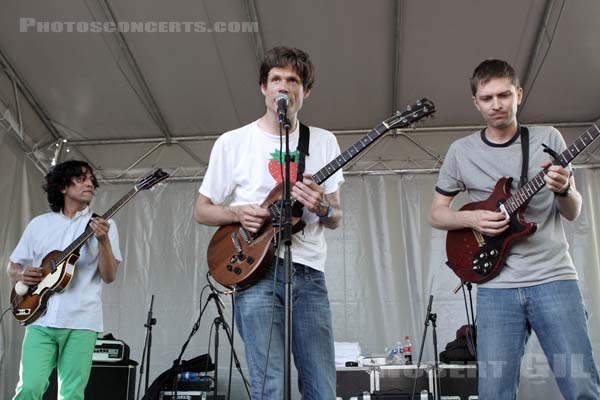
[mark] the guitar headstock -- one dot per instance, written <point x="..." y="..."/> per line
<point x="415" y="112"/>
<point x="149" y="181"/>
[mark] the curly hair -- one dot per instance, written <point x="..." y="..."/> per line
<point x="489" y="69"/>
<point x="281" y="57"/>
<point x="61" y="176"/>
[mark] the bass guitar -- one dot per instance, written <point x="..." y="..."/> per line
<point x="237" y="258"/>
<point x="30" y="302"/>
<point x="477" y="258"/>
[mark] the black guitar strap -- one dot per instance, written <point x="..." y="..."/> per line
<point x="525" y="152"/>
<point x="302" y="148"/>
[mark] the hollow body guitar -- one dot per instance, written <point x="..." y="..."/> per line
<point x="28" y="303"/>
<point x="238" y="258"/>
<point x="478" y="258"/>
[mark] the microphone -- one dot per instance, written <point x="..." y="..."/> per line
<point x="282" y="101"/>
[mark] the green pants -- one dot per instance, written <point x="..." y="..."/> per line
<point x="69" y="350"/>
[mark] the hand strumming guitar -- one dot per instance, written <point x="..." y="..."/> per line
<point x="489" y="223"/>
<point x="28" y="275"/>
<point x="251" y="216"/>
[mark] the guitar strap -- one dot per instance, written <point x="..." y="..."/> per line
<point x="525" y="152"/>
<point x="303" y="142"/>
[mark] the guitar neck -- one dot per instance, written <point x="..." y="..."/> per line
<point x="325" y="173"/>
<point x="524" y="194"/>
<point x="87" y="233"/>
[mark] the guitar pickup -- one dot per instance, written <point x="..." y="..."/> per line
<point x="246" y="235"/>
<point x="275" y="209"/>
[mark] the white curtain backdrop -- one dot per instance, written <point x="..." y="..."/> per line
<point x="383" y="264"/>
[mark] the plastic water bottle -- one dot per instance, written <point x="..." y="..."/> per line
<point x="189" y="376"/>
<point x="394" y="356"/>
<point x="407" y="350"/>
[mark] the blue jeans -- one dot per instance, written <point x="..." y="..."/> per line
<point x="556" y="313"/>
<point x="312" y="335"/>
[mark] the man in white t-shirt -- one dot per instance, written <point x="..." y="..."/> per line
<point x="245" y="166"/>
<point x="65" y="336"/>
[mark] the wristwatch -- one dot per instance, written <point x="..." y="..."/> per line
<point x="328" y="213"/>
<point x="566" y="192"/>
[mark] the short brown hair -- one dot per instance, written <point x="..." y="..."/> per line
<point x="281" y="57"/>
<point x="489" y="69"/>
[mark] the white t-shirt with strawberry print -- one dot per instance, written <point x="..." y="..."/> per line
<point x="244" y="168"/>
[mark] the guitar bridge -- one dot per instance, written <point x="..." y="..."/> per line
<point x="22" y="312"/>
<point x="236" y="243"/>
<point x="479" y="238"/>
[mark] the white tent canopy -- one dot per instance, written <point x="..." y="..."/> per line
<point x="127" y="101"/>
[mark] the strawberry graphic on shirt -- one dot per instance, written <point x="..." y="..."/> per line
<point x="277" y="166"/>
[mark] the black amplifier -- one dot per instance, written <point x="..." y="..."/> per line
<point x="112" y="351"/>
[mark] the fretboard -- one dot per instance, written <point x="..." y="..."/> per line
<point x="77" y="243"/>
<point x="324" y="173"/>
<point x="525" y="193"/>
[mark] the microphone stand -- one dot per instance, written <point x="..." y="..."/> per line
<point x="429" y="317"/>
<point x="150" y="321"/>
<point x="220" y="320"/>
<point x="436" y="362"/>
<point x="285" y="125"/>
